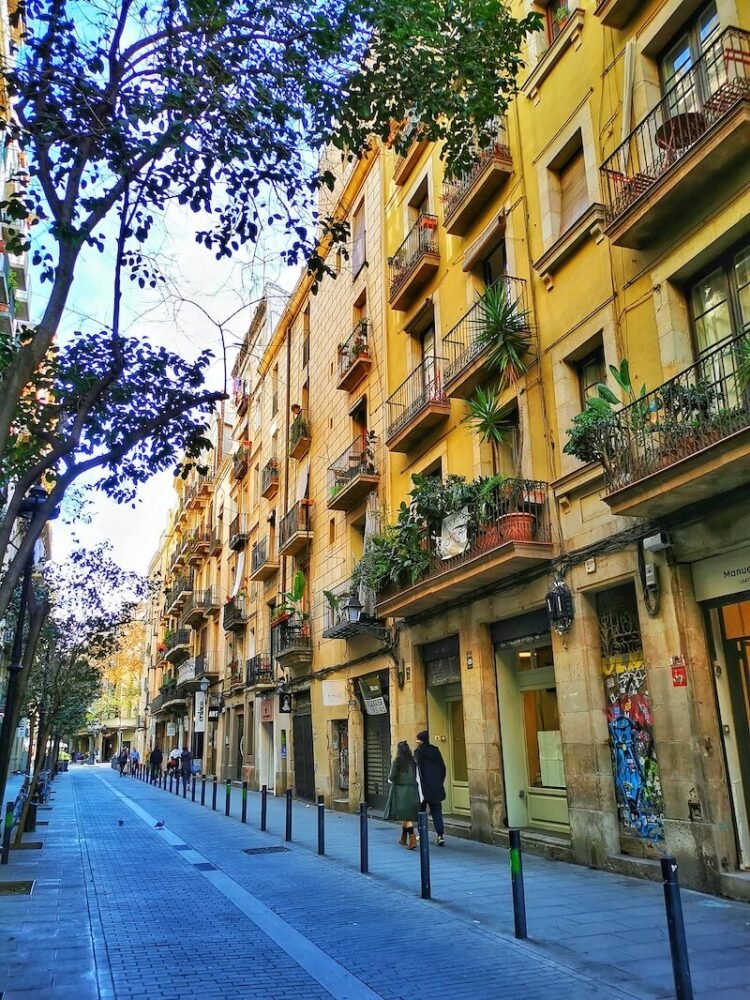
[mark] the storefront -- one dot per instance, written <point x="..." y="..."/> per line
<point x="722" y="586"/>
<point x="533" y="766"/>
<point x="445" y="718"/>
<point x="374" y="691"/>
<point x="302" y="734"/>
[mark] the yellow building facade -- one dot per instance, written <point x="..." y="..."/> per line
<point x="574" y="637"/>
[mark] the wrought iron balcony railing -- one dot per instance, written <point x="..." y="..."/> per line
<point x="299" y="435"/>
<point x="703" y="405"/>
<point x="468" y="338"/>
<point x="240" y="461"/>
<point x="357" y="461"/>
<point x="261" y="554"/>
<point x="700" y="97"/>
<point x="238" y="531"/>
<point x="259" y="670"/>
<point x="179" y="637"/>
<point x="421" y="239"/>
<point x="425" y="385"/>
<point x="295" y="521"/>
<point x="270" y="478"/>
<point x="456" y="189"/>
<point x="206" y="664"/>
<point x="354" y="349"/>
<point x="291" y="637"/>
<point x="235" y="613"/>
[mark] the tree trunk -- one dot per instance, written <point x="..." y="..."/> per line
<point x="32" y="737"/>
<point x="44" y="733"/>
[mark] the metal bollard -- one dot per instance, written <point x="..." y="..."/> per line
<point x="321" y="826"/>
<point x="228" y="803"/>
<point x="288" y="831"/>
<point x="516" y="878"/>
<point x="192" y="790"/>
<point x="7" y="827"/>
<point x="184" y="787"/>
<point x="213" y="794"/>
<point x="171" y="776"/>
<point x="676" y="926"/>
<point x="364" y="852"/>
<point x="177" y="777"/>
<point x="424" y="855"/>
<point x="203" y="790"/>
<point x="263" y="806"/>
<point x="244" y="802"/>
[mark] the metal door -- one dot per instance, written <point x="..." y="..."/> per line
<point x="304" y="767"/>
<point x="240" y="746"/>
<point x="377" y="759"/>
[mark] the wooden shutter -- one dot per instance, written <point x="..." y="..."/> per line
<point x="574" y="195"/>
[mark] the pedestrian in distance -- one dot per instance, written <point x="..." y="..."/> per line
<point x="122" y="760"/>
<point x="431" y="778"/>
<point x="155" y="758"/>
<point x="403" y="796"/>
<point x="135" y="759"/>
<point x="186" y="768"/>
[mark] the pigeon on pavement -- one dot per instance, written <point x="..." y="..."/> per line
<point x="159" y="824"/>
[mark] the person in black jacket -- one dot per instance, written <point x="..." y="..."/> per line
<point x="431" y="773"/>
<point x="155" y="759"/>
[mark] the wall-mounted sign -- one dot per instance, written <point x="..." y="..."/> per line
<point x="266" y="709"/>
<point x="334" y="692"/>
<point x="171" y="729"/>
<point x="679" y="672"/>
<point x="720" y="576"/>
<point x="213" y="713"/>
<point x="285" y="703"/>
<point x="372" y="695"/>
<point x="199" y="722"/>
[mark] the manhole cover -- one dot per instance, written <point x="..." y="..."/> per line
<point x="16" y="889"/>
<point x="266" y="850"/>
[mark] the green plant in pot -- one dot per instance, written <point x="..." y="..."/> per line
<point x="504" y="332"/>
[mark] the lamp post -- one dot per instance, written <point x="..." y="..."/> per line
<point x="34" y="499"/>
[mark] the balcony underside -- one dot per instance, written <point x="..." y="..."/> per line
<point x="406" y="163"/>
<point x="175" y="702"/>
<point x="295" y="543"/>
<point x="470" y="369"/>
<point x="195" y="616"/>
<point x="265" y="571"/>
<point x="459" y="581"/>
<point x="355" y="373"/>
<point x="353" y="491"/>
<point x="413" y="430"/>
<point x="616" y="13"/>
<point x="295" y="659"/>
<point x="412" y="284"/>
<point x="478" y="194"/>
<point x="300" y="448"/>
<point x="710" y="472"/>
<point x="271" y="489"/>
<point x="177" y="654"/>
<point x="664" y="205"/>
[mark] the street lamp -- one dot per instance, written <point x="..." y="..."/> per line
<point x="352" y="608"/>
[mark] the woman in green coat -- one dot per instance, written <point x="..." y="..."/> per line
<point x="403" y="795"/>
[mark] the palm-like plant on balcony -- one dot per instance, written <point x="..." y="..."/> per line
<point x="504" y="332"/>
<point x="490" y="421"/>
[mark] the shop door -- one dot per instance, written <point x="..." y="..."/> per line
<point x="734" y="703"/>
<point x="342" y="769"/>
<point x="377" y="759"/>
<point x="304" y="766"/>
<point x="458" y="771"/>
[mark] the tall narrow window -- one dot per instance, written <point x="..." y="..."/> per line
<point x="306" y="337"/>
<point x="590" y="374"/>
<point x="574" y="196"/>
<point x="275" y="391"/>
<point x="359" y="239"/>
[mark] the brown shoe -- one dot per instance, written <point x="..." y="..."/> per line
<point x="412" y="840"/>
<point x="402" y="838"/>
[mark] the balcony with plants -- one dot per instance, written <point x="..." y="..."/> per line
<point x="236" y="613"/>
<point x="270" y="479"/>
<point x="299" y="433"/>
<point x="418" y="406"/>
<point x="341" y="623"/>
<point x="686" y="442"/>
<point x="414" y="263"/>
<point x="494" y="338"/>
<point x="353" y="475"/>
<point x="238" y="532"/>
<point x="177" y="645"/>
<point x="263" y="562"/>
<point x="240" y="460"/>
<point x="292" y="646"/>
<point x="354" y="361"/>
<point x="455" y="537"/>
<point x="295" y="530"/>
<point x="259" y="671"/>
<point x="697" y="134"/>
<point x="468" y="194"/>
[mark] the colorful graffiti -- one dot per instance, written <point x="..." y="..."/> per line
<point x="634" y="761"/>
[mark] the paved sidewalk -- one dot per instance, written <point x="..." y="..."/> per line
<point x="128" y="911"/>
<point x="611" y="926"/>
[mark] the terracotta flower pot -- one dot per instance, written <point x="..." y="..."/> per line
<point x="518" y="527"/>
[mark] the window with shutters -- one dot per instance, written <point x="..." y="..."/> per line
<point x="574" y="196"/>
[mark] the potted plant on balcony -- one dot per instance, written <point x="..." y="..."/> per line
<point x="290" y="602"/>
<point x="518" y="523"/>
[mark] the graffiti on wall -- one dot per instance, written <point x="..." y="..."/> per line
<point x="634" y="761"/>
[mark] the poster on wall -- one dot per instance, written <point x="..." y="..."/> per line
<point x="372" y="695"/>
<point x="334" y="692"/>
<point x="199" y="719"/>
<point x="171" y="729"/>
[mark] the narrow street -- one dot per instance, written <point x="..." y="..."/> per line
<point x="127" y="910"/>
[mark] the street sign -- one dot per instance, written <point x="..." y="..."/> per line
<point x="213" y="713"/>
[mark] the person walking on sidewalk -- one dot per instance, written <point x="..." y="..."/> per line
<point x="186" y="768"/>
<point x="155" y="759"/>
<point x="431" y="777"/>
<point x="122" y="760"/>
<point x="403" y="797"/>
<point x="135" y="758"/>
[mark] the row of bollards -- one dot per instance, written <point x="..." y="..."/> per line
<point x="672" y="901"/>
